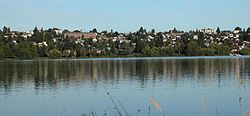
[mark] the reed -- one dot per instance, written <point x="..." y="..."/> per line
<point x="203" y="106"/>
<point x="148" y="110"/>
<point x="217" y="112"/>
<point x="123" y="108"/>
<point x="105" y="113"/>
<point x="156" y="105"/>
<point x="240" y="102"/>
<point x="117" y="109"/>
<point x="62" y="113"/>
<point x="241" y="82"/>
<point x="138" y="111"/>
<point x="246" y="114"/>
<point x="93" y="112"/>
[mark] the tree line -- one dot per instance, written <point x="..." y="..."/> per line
<point x="139" y="45"/>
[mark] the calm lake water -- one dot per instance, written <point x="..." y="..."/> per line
<point x="183" y="86"/>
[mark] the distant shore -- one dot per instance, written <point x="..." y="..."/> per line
<point x="130" y="58"/>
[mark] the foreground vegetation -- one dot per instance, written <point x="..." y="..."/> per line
<point x="47" y="43"/>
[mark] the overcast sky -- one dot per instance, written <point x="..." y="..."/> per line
<point x="124" y="15"/>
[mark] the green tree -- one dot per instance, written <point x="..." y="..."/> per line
<point x="146" y="51"/>
<point x="54" y="53"/>
<point x="140" y="44"/>
<point x="94" y="30"/>
<point x="2" y="55"/>
<point x="245" y="51"/>
<point x="6" y="30"/>
<point x="159" y="40"/>
<point x="192" y="48"/>
<point x="238" y="28"/>
<point x="207" y="52"/>
<point x="167" y="51"/>
<point x="8" y="52"/>
<point x="155" y="51"/>
<point x="201" y="38"/>
<point x="220" y="49"/>
<point x="24" y="54"/>
<point x="218" y="30"/>
<point x="125" y="49"/>
<point x="66" y="53"/>
<point x="33" y="51"/>
<point x="175" y="30"/>
<point x="141" y="30"/>
<point x="248" y="30"/>
<point x="43" y="51"/>
<point x="152" y="31"/>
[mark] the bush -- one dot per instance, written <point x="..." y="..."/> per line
<point x="208" y="52"/>
<point x="245" y="51"/>
<point x="167" y="51"/>
<point x="1" y="52"/>
<point x="54" y="53"/>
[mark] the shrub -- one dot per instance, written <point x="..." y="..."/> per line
<point x="54" y="53"/>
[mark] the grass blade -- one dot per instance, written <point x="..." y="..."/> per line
<point x="156" y="105"/>
<point x="148" y="110"/>
<point x="246" y="114"/>
<point x="203" y="105"/>
<point x="123" y="108"/>
<point x="118" y="111"/>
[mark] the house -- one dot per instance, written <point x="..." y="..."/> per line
<point x="80" y="35"/>
<point x="195" y="37"/>
<point x="236" y="31"/>
<point x="58" y="31"/>
<point x="208" y="31"/>
<point x="27" y="34"/>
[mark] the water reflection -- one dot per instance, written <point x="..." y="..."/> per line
<point x="51" y="74"/>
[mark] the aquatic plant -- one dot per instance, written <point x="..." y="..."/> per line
<point x="156" y="105"/>
<point x="203" y="106"/>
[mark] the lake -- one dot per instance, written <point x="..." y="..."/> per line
<point x="194" y="86"/>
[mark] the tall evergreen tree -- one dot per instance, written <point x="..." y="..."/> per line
<point x="248" y="30"/>
<point x="218" y="30"/>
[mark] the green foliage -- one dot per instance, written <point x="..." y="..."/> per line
<point x="207" y="51"/>
<point x="147" y="51"/>
<point x="82" y="53"/>
<point x="43" y="51"/>
<point x="66" y="53"/>
<point x="24" y="54"/>
<point x="2" y="55"/>
<point x="140" y="44"/>
<point x="220" y="49"/>
<point x="245" y="51"/>
<point x="218" y="30"/>
<point x="193" y="49"/>
<point x="8" y="52"/>
<point x="125" y="49"/>
<point x="54" y="53"/>
<point x="38" y="36"/>
<point x="33" y="51"/>
<point x="39" y="44"/>
<point x="94" y="30"/>
<point x="201" y="38"/>
<point x="159" y="41"/>
<point x="248" y="30"/>
<point x="167" y="51"/>
<point x="238" y="28"/>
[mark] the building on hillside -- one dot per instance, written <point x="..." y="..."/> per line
<point x="80" y="35"/>
<point x="58" y="31"/>
<point x="208" y="31"/>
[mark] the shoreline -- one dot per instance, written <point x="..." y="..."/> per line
<point x="127" y="58"/>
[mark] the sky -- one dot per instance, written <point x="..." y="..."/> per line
<point x="124" y="15"/>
